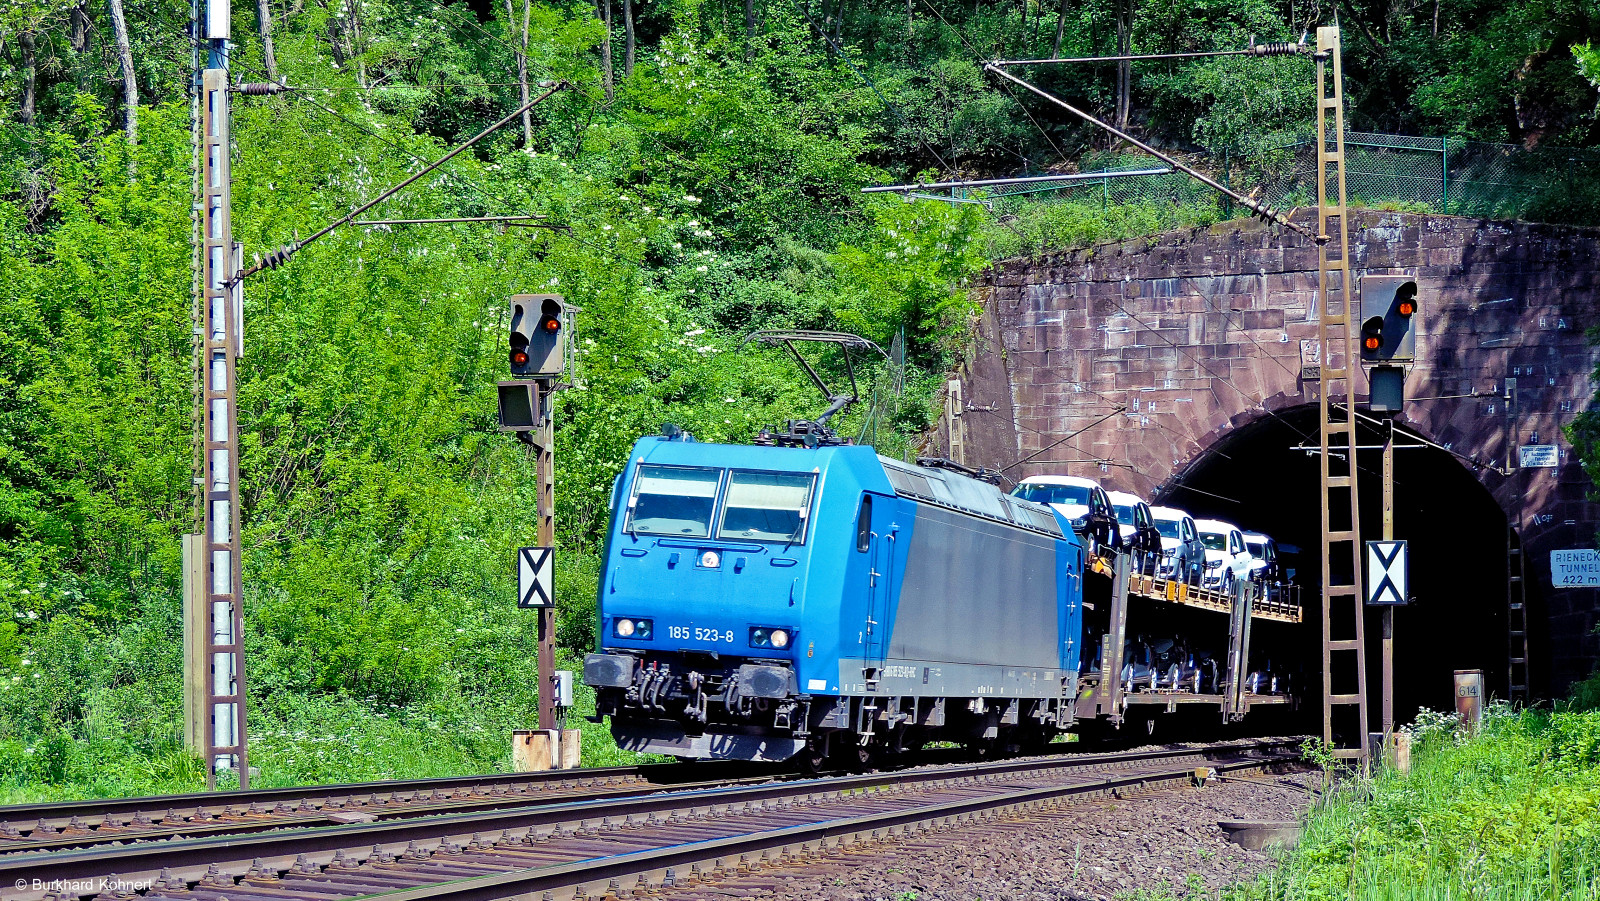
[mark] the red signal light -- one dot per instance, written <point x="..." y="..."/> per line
<point x="519" y="358"/>
<point x="550" y="324"/>
<point x="1407" y="307"/>
<point x="1373" y="342"/>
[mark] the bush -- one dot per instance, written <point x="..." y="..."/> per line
<point x="1510" y="813"/>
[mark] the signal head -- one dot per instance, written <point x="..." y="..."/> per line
<point x="1405" y="299"/>
<point x="538" y="323"/>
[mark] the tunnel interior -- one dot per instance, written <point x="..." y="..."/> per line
<point x="1260" y="478"/>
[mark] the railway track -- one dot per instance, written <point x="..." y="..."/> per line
<point x="81" y="824"/>
<point x="605" y="846"/>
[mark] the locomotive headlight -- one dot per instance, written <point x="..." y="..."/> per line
<point x="640" y="629"/>
<point x="768" y="637"/>
<point x="710" y="560"/>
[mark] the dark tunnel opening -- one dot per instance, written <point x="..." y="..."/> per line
<point x="1259" y="478"/>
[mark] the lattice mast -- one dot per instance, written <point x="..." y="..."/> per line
<point x="213" y="613"/>
<point x="1343" y="650"/>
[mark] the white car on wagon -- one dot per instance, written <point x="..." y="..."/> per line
<point x="1183" y="554"/>
<point x="1228" y="558"/>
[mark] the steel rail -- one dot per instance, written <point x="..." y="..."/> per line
<point x="354" y="795"/>
<point x="245" y="824"/>
<point x="571" y="880"/>
<point x="191" y="858"/>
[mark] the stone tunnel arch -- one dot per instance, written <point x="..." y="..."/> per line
<point x="1258" y="476"/>
<point x="1133" y="362"/>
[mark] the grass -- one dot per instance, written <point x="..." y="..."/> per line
<point x="297" y="740"/>
<point x="1509" y="814"/>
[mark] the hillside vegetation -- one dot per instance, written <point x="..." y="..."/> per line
<point x="705" y="167"/>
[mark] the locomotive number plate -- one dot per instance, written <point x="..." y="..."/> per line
<point x="695" y="633"/>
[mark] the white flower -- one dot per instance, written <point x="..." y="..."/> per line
<point x="693" y="332"/>
<point x="605" y="228"/>
<point x="699" y="268"/>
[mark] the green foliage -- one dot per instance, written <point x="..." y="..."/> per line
<point x="382" y="506"/>
<point x="1510" y="813"/>
<point x="715" y="193"/>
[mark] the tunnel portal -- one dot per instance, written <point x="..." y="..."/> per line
<point x="1261" y="478"/>
<point x="1187" y="366"/>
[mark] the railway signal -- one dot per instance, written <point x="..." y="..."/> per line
<point x="537" y="345"/>
<point x="1388" y="319"/>
<point x="537" y="338"/>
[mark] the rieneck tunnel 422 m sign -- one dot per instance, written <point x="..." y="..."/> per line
<point x="1577" y="568"/>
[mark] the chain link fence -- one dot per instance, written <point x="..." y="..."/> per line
<point x="1442" y="175"/>
<point x="1445" y="175"/>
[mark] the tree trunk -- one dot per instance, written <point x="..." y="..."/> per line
<point x="356" y="49"/>
<point x="603" y="10"/>
<point x="336" y="39"/>
<point x="838" y="23"/>
<point x="1061" y="27"/>
<point x="269" y="60"/>
<point x="749" y="30"/>
<point x="629" y="46"/>
<point x="520" y="46"/>
<point x="1124" y="68"/>
<point x="82" y="38"/>
<point x="130" y="86"/>
<point x="30" y="73"/>
<point x="82" y="27"/>
<point x="522" y="74"/>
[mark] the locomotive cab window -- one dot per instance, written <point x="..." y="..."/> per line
<point x="766" y="506"/>
<point x="673" y="500"/>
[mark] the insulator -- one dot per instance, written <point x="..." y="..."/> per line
<point x="1277" y="48"/>
<point x="278" y="257"/>
<point x="259" y="88"/>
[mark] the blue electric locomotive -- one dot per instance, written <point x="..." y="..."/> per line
<point x="772" y="602"/>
